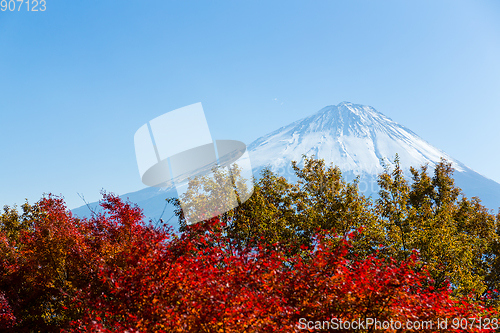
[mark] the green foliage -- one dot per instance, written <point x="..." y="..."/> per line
<point x="290" y="214"/>
<point x="454" y="236"/>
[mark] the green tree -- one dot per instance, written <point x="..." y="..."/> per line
<point x="288" y="214"/>
<point x="453" y="235"/>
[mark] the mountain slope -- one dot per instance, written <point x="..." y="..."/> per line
<point x="150" y="199"/>
<point x="355" y="138"/>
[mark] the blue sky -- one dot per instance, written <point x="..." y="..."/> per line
<point x="78" y="80"/>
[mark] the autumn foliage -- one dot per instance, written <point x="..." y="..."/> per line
<point x="115" y="272"/>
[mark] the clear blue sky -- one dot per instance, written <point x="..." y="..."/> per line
<point x="78" y="80"/>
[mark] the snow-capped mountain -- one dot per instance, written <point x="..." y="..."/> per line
<point x="356" y="138"/>
<point x="352" y="136"/>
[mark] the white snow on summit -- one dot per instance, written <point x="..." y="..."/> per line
<point x="352" y="136"/>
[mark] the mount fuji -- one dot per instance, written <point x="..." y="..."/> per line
<point x="354" y="137"/>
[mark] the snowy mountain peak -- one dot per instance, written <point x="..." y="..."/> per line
<point x="348" y="118"/>
<point x="355" y="137"/>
